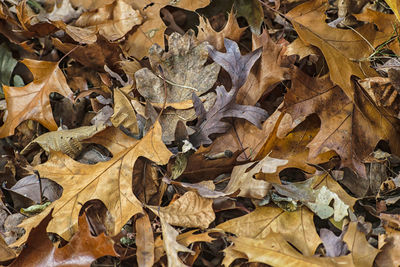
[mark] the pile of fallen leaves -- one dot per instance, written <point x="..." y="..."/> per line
<point x="198" y="133"/>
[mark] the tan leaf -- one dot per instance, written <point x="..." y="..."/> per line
<point x="112" y="21"/>
<point x="243" y="180"/>
<point x="110" y="181"/>
<point x="171" y="246"/>
<point x="298" y="47"/>
<point x="190" y="210"/>
<point x="91" y="5"/>
<point x="152" y="30"/>
<point x="124" y="114"/>
<point x="144" y="241"/>
<point x="363" y="254"/>
<point x="231" y="31"/>
<point x="65" y="141"/>
<point x="342" y="48"/>
<point x="191" y="237"/>
<point x="296" y="227"/>
<point x="31" y="102"/>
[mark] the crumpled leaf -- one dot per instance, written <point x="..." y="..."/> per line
<point x="6" y="253"/>
<point x="231" y="31"/>
<point x="171" y="246"/>
<point x="66" y="141"/>
<point x="32" y="100"/>
<point x="65" y="12"/>
<point x="108" y="181"/>
<point x="91" y="5"/>
<point x="151" y="31"/>
<point x="124" y="114"/>
<point x="112" y="21"/>
<point x="82" y="249"/>
<point x="296" y="227"/>
<point x="190" y="210"/>
<point x="243" y="180"/>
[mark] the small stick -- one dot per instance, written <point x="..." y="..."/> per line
<point x="40" y="185"/>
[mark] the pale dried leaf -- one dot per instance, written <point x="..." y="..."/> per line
<point x="124" y="114"/>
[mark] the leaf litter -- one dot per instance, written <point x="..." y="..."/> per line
<point x="199" y="133"/>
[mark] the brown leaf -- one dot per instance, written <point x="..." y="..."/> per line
<point x="6" y="253"/>
<point x="190" y="210"/>
<point x="273" y="69"/>
<point x="144" y="241"/>
<point x="152" y="30"/>
<point x="231" y="31"/>
<point x="32" y="100"/>
<point x="296" y="227"/>
<point x="82" y="250"/>
<point x="108" y="181"/>
<point x="351" y="130"/>
<point x="342" y="48"/>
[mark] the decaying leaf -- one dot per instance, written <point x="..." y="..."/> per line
<point x="144" y="241"/>
<point x="190" y="210"/>
<point x="252" y="11"/>
<point x="66" y="141"/>
<point x="32" y="100"/>
<point x="171" y="246"/>
<point x="7" y="65"/>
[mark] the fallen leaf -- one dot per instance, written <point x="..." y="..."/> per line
<point x="231" y="31"/>
<point x="65" y="12"/>
<point x="394" y="5"/>
<point x="112" y="21"/>
<point x="108" y="181"/>
<point x="352" y="130"/>
<point x="151" y="31"/>
<point x="242" y="178"/>
<point x="144" y="241"/>
<point x="6" y="253"/>
<point x="296" y="227"/>
<point x="190" y="210"/>
<point x="32" y="100"/>
<point x="124" y="114"/>
<point x="171" y="246"/>
<point x="333" y="244"/>
<point x="7" y="65"/>
<point x="65" y="141"/>
<point x="252" y="11"/>
<point x="344" y="50"/>
<point x="82" y="249"/>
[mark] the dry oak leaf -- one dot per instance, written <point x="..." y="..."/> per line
<point x="124" y="114"/>
<point x="144" y="241"/>
<point x="351" y="129"/>
<point x="190" y="210"/>
<point x="82" y="249"/>
<point x="390" y="251"/>
<point x="394" y="5"/>
<point x="152" y="30"/>
<point x="273" y="69"/>
<point x="344" y="50"/>
<point x="91" y="5"/>
<point x="110" y="181"/>
<point x="171" y="246"/>
<point x="296" y="227"/>
<point x="112" y="21"/>
<point x="274" y="250"/>
<point x="32" y="100"/>
<point x="230" y="31"/>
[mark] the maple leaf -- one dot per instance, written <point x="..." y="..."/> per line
<point x="352" y="130"/>
<point x="110" y="181"/>
<point x="82" y="249"/>
<point x="32" y="100"/>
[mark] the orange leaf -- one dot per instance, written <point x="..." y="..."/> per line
<point x="32" y="100"/>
